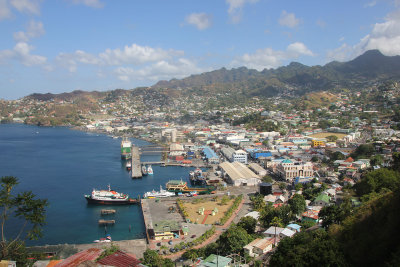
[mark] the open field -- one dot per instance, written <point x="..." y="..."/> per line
<point x="323" y="135"/>
<point x="208" y="204"/>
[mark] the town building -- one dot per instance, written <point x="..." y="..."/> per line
<point x="288" y="169"/>
<point x="259" y="247"/>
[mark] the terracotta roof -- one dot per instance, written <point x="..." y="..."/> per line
<point x="349" y="159"/>
<point x="120" y="259"/>
<point x="78" y="258"/>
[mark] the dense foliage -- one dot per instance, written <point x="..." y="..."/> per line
<point x="30" y="214"/>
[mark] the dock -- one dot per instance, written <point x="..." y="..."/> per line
<point x="136" y="165"/>
<point x="106" y="212"/>
<point x="106" y="222"/>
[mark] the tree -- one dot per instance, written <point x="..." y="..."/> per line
<point x="267" y="179"/>
<point x="277" y="222"/>
<point x="28" y="210"/>
<point x="314" y="159"/>
<point x="152" y="259"/>
<point x="376" y="160"/>
<point x="258" y="202"/>
<point x="248" y="223"/>
<point x="396" y="161"/>
<point x="191" y="254"/>
<point x="332" y="138"/>
<point x="297" y="204"/>
<point x="363" y="151"/>
<point x="233" y="240"/>
<point x="282" y="185"/>
<point x="314" y="248"/>
<point x="377" y="180"/>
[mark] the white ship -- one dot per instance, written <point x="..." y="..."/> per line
<point x="161" y="193"/>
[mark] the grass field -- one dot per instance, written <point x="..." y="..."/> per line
<point x="323" y="135"/>
<point x="208" y="204"/>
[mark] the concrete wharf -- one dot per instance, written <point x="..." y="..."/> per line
<point x="136" y="166"/>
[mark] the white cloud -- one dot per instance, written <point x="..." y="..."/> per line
<point x="268" y="58"/>
<point x="89" y="3"/>
<point x="180" y="68"/>
<point x="201" y="20"/>
<point x="296" y="49"/>
<point x="235" y="8"/>
<point x="370" y="4"/>
<point x="27" y="6"/>
<point x="136" y="54"/>
<point x="384" y="36"/>
<point x="22" y="53"/>
<point x="5" y="11"/>
<point x="71" y="60"/>
<point x="34" y="29"/>
<point x="288" y="19"/>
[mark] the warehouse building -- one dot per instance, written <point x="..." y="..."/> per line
<point x="238" y="174"/>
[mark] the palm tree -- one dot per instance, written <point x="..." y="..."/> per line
<point x="276" y="222"/>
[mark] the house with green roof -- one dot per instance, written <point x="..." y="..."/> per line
<point x="216" y="260"/>
<point x="322" y="200"/>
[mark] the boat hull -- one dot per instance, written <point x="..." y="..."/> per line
<point x="110" y="202"/>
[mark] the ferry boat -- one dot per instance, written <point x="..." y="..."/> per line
<point x="108" y="197"/>
<point x="149" y="170"/>
<point x="161" y="193"/>
<point x="126" y="147"/>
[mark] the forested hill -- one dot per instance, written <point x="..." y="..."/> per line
<point x="368" y="68"/>
<point x="293" y="79"/>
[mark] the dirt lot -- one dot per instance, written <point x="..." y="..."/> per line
<point x="208" y="204"/>
<point x="323" y="135"/>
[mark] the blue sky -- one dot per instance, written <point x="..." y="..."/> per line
<point x="64" y="45"/>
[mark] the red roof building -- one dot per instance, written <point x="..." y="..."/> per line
<point x="120" y="259"/>
<point x="87" y="255"/>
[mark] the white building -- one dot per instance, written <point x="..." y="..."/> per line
<point x="240" y="156"/>
<point x="259" y="247"/>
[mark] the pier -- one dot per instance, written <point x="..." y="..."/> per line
<point x="136" y="165"/>
<point x="106" y="222"/>
<point x="106" y="212"/>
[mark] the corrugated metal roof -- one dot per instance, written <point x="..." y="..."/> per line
<point x="120" y="259"/>
<point x="76" y="259"/>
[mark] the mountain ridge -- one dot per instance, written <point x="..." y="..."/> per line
<point x="294" y="78"/>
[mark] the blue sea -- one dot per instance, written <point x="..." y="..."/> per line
<point x="61" y="165"/>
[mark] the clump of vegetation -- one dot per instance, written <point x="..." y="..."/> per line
<point x="182" y="209"/>
<point x="108" y="251"/>
<point x="231" y="209"/>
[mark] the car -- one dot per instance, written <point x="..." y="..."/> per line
<point x="159" y="244"/>
<point x="193" y="236"/>
<point x="170" y="242"/>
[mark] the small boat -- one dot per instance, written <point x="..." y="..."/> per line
<point x="103" y="240"/>
<point x="128" y="165"/>
<point x="144" y="170"/>
<point x="149" y="170"/>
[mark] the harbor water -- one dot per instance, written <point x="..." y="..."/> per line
<point x="62" y="165"/>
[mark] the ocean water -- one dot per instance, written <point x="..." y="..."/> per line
<point x="62" y="165"/>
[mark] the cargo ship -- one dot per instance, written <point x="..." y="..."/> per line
<point x="109" y="197"/>
<point x="126" y="147"/>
